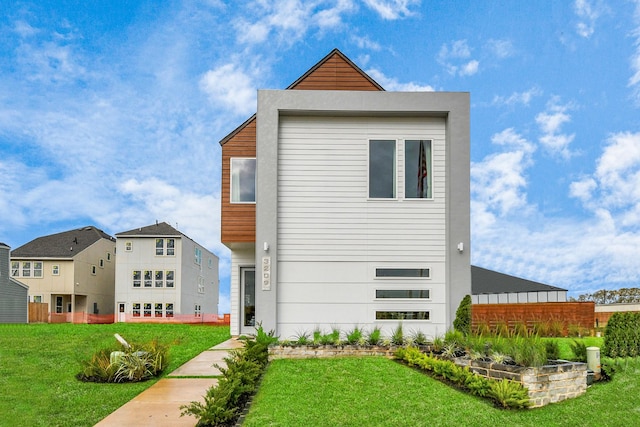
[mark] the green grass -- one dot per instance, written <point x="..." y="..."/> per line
<point x="38" y="364"/>
<point x="375" y="391"/>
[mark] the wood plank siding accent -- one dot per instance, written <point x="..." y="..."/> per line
<point x="333" y="72"/>
<point x="238" y="220"/>
<point x="569" y="313"/>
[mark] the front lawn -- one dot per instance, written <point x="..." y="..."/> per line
<point x="375" y="391"/>
<point x="38" y="364"/>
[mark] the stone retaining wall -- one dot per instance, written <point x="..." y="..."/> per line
<point x="546" y="384"/>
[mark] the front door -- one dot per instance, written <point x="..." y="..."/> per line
<point x="121" y="312"/>
<point x="247" y="299"/>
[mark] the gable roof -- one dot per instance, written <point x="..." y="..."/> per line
<point x="324" y="76"/>
<point x="485" y="281"/>
<point x="157" y="229"/>
<point x="61" y="245"/>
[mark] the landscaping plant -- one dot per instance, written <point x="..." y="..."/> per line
<point x="462" y="322"/>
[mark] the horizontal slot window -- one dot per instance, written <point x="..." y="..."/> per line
<point x="403" y="293"/>
<point x="402" y="315"/>
<point x="403" y="272"/>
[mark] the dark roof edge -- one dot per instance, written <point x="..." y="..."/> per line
<point x="238" y="129"/>
<point x="520" y="279"/>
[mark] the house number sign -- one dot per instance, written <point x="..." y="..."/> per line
<point x="266" y="273"/>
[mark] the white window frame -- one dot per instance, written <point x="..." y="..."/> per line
<point x="405" y="288"/>
<point x="101" y="263"/>
<point x="231" y="181"/>
<point x="94" y="270"/>
<point x="55" y="270"/>
<point x="197" y="253"/>
<point x="15" y="268"/>
<point x="36" y="270"/>
<point x="395" y="169"/>
<point x="128" y="246"/>
<point x="429" y="170"/>
<point x="395" y="267"/>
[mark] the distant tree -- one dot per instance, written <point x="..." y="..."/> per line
<point x="612" y="296"/>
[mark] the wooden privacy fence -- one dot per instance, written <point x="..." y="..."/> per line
<point x="38" y="312"/>
<point x="570" y="314"/>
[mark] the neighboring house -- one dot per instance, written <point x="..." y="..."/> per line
<point x="351" y="203"/>
<point x="72" y="271"/>
<point x="14" y="296"/>
<point x="491" y="287"/>
<point x="161" y="274"/>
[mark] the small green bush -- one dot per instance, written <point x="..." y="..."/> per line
<point x="579" y="350"/>
<point x="374" y="336"/>
<point x="397" y="338"/>
<point x="354" y="335"/>
<point x="552" y="349"/>
<point x="622" y="335"/>
<point x="462" y="322"/>
<point x="509" y="394"/>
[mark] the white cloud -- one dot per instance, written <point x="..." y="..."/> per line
<point x="365" y="43"/>
<point x="550" y="123"/>
<point x="500" y="48"/>
<point x="230" y="87"/>
<point x="392" y="84"/>
<point x="455" y="57"/>
<point x="588" y="13"/>
<point x="392" y="9"/>
<point x="498" y="182"/>
<point x="517" y="98"/>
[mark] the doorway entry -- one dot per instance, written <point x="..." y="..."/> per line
<point x="247" y="299"/>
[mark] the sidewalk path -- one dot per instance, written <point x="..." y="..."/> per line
<point x="159" y="405"/>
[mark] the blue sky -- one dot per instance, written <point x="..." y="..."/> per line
<point x="111" y="113"/>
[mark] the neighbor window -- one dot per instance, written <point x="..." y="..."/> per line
<point x="382" y="169"/>
<point x="93" y="270"/>
<point x="109" y="256"/>
<point x="128" y="246"/>
<point x="137" y="278"/>
<point x="402" y="315"/>
<point x="201" y="285"/>
<point x="171" y="247"/>
<point x="37" y="298"/>
<point x="55" y="270"/>
<point x="198" y="310"/>
<point x="136" y="309"/>
<point x="243" y="180"/>
<point x="403" y="293"/>
<point x="159" y="278"/>
<point x="417" y="169"/>
<point x="58" y="304"/>
<point x="403" y="272"/>
<point x="159" y="246"/>
<point x="26" y="269"/>
<point x="37" y="269"/>
<point x="168" y="308"/>
<point x="147" y="309"/>
<point x="15" y="268"/>
<point x="148" y="278"/>
<point x="158" y="309"/>
<point x="198" y="256"/>
<point x="169" y="278"/>
<point x="101" y="263"/>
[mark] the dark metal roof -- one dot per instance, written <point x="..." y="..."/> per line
<point x="485" y="281"/>
<point x="157" y="229"/>
<point x="61" y="245"/>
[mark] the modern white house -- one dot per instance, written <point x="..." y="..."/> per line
<point x="14" y="296"/>
<point x="345" y="205"/>
<point x="163" y="275"/>
<point x="72" y="271"/>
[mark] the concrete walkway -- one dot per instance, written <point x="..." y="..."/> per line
<point x="159" y="405"/>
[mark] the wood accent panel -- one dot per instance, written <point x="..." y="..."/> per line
<point x="38" y="312"/>
<point x="335" y="74"/>
<point x="570" y="313"/>
<point x="238" y="221"/>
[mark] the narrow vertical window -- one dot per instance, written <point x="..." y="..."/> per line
<point x="243" y="180"/>
<point x="15" y="268"/>
<point x="26" y="269"/>
<point x="169" y="277"/>
<point x="171" y="247"/>
<point x="136" y="309"/>
<point x="148" y="278"/>
<point x="137" y="278"/>
<point x="55" y="270"/>
<point x="382" y="169"/>
<point x="93" y="270"/>
<point x="37" y="269"/>
<point x="159" y="246"/>
<point x="147" y="309"/>
<point x="417" y="169"/>
<point x="128" y="246"/>
<point x="159" y="278"/>
<point x="158" y="309"/>
<point x="168" y="309"/>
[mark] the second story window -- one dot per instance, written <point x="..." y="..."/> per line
<point x="165" y="247"/>
<point x="243" y="180"/>
<point x="382" y="169"/>
<point x="15" y="268"/>
<point x="198" y="256"/>
<point x="128" y="246"/>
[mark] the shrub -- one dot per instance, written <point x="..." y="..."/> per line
<point x="622" y="335"/>
<point x="397" y="338"/>
<point x="509" y="394"/>
<point x="552" y="349"/>
<point x="224" y="401"/>
<point x="529" y="351"/>
<point x="354" y="336"/>
<point x="579" y="350"/>
<point x="462" y="322"/>
<point x="374" y="336"/>
<point x="132" y="364"/>
<point x="418" y="338"/>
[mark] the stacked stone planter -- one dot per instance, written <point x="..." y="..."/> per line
<point x="546" y="384"/>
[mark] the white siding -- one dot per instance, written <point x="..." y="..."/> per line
<point x="245" y="257"/>
<point x="331" y="237"/>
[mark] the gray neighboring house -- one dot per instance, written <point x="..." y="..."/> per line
<point x="14" y="296"/>
<point x="491" y="287"/>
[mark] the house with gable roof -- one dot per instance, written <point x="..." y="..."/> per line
<point x="163" y="275"/>
<point x="72" y="271"/>
<point x="14" y="296"/>
<point x="344" y="204"/>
